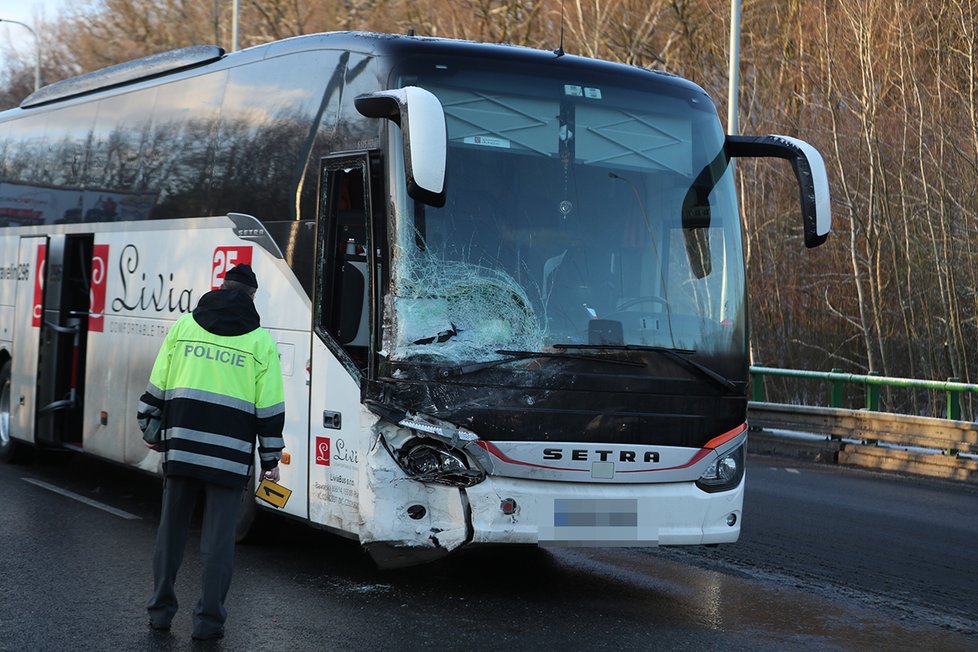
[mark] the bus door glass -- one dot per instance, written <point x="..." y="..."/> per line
<point x="342" y="292"/>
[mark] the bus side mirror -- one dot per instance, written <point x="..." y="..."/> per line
<point x="816" y="208"/>
<point x="422" y="121"/>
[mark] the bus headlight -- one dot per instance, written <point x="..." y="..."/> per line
<point x="723" y="473"/>
<point x="431" y="461"/>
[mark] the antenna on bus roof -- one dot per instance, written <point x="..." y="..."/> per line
<point x="560" y="48"/>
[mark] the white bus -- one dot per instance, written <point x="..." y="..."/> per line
<point x="507" y="285"/>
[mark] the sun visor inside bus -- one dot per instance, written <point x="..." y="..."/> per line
<point x="154" y="65"/>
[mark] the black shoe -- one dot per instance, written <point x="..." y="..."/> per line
<point x="213" y="636"/>
<point x="159" y="627"/>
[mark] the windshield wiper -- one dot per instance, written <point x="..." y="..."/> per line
<point x="679" y="355"/>
<point x="464" y="369"/>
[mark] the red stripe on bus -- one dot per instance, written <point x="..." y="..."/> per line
<point x="717" y="442"/>
<point x="703" y="452"/>
<point x="488" y="445"/>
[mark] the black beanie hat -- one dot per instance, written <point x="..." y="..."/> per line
<point x="242" y="274"/>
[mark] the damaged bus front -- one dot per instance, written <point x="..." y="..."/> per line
<point x="561" y="349"/>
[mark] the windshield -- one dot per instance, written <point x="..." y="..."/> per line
<point x="579" y="212"/>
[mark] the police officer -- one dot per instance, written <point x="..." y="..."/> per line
<point x="216" y="385"/>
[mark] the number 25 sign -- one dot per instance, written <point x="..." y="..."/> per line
<point x="224" y="259"/>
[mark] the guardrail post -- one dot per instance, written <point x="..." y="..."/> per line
<point x="836" y="397"/>
<point x="953" y="401"/>
<point x="953" y="410"/>
<point x="836" y="394"/>
<point x="757" y="392"/>
<point x="872" y="403"/>
<point x="873" y="394"/>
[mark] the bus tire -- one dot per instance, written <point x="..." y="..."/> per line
<point x="10" y="449"/>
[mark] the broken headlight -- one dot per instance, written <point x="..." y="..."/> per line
<point x="429" y="449"/>
<point x="431" y="461"/>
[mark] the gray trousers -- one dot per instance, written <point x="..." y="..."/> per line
<point x="221" y="505"/>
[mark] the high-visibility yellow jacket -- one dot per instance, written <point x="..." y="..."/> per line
<point x="217" y="385"/>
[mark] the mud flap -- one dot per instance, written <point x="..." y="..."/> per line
<point x="405" y="522"/>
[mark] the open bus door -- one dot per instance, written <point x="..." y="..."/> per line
<point x="342" y="341"/>
<point x="62" y="323"/>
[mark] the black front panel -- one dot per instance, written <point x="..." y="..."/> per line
<point x="574" y="401"/>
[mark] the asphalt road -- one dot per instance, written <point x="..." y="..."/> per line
<point x="902" y="544"/>
<point x="829" y="559"/>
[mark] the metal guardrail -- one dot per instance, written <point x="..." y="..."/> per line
<point x="928" y="446"/>
<point x="873" y="381"/>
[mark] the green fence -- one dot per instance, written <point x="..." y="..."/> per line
<point x="837" y="379"/>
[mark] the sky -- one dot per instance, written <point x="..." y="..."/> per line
<point x="25" y="11"/>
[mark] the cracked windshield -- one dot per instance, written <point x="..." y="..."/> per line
<point x="579" y="212"/>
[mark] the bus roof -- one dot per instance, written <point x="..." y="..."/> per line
<point x="370" y="43"/>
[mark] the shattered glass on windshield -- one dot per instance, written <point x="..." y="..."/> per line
<point x="466" y="310"/>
